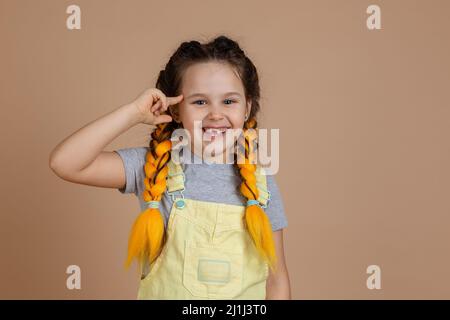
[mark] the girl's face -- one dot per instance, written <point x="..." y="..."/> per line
<point x="214" y="99"/>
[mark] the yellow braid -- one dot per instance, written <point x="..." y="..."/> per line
<point x="258" y="224"/>
<point x="147" y="236"/>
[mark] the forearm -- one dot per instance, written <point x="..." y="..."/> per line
<point x="278" y="288"/>
<point x="79" y="149"/>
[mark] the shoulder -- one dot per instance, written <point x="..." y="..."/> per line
<point x="133" y="161"/>
<point x="136" y="154"/>
<point x="273" y="188"/>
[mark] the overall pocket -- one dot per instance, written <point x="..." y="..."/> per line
<point x="212" y="271"/>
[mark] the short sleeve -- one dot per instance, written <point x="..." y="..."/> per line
<point x="275" y="207"/>
<point x="133" y="161"/>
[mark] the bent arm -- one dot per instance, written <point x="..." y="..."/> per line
<point x="80" y="158"/>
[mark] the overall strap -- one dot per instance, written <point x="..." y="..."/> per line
<point x="261" y="184"/>
<point x="176" y="178"/>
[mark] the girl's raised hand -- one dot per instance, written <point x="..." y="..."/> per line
<point x="151" y="105"/>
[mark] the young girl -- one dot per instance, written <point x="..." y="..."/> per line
<point x="207" y="230"/>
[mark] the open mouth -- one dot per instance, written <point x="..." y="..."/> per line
<point x="210" y="133"/>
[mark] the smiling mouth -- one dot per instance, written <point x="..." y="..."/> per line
<point x="212" y="132"/>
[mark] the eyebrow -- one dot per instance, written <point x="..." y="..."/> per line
<point x="203" y="94"/>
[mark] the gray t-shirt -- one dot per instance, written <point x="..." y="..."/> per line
<point x="204" y="182"/>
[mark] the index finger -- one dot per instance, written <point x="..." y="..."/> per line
<point x="174" y="100"/>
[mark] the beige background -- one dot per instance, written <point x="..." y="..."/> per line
<point x="364" y="121"/>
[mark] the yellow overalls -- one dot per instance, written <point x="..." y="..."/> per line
<point x="208" y="253"/>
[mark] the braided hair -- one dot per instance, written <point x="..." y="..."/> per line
<point x="147" y="236"/>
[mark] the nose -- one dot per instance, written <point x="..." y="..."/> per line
<point x="215" y="116"/>
<point x="215" y="113"/>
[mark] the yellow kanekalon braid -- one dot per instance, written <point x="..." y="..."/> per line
<point x="258" y="224"/>
<point x="147" y="235"/>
